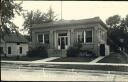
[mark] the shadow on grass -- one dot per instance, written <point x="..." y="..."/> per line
<point x="114" y="58"/>
<point x="22" y="58"/>
<point x="73" y="59"/>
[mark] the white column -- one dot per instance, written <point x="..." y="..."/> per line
<point x="68" y="38"/>
<point x="43" y="38"/>
<point x="84" y="36"/>
<point x="55" y="37"/>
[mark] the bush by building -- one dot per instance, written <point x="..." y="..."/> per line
<point x="40" y="51"/>
<point x="77" y="51"/>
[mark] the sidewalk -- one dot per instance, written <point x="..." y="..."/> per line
<point x="45" y="60"/>
<point x="69" y="63"/>
<point x="97" y="59"/>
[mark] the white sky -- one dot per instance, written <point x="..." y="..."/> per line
<point x="77" y="9"/>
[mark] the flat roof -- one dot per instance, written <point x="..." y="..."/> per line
<point x="69" y="22"/>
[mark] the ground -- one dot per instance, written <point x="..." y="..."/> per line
<point x="40" y="72"/>
<point x="73" y="59"/>
<point x="65" y="71"/>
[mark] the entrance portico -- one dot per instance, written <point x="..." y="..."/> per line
<point x="62" y="40"/>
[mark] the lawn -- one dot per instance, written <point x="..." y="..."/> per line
<point x="115" y="58"/>
<point x="73" y="59"/>
<point x="22" y="58"/>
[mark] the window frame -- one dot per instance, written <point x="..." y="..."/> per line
<point x="38" y="38"/>
<point x="85" y="34"/>
<point x="43" y="38"/>
<point x="78" y="32"/>
<point x="1" y="49"/>
<point x="91" y="36"/>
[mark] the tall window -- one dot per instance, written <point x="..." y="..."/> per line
<point x="84" y="36"/>
<point x="58" y="41"/>
<point x="20" y="50"/>
<point x="40" y="37"/>
<point x="9" y="50"/>
<point x="46" y="38"/>
<point x="43" y="38"/>
<point x="66" y="40"/>
<point x="88" y="36"/>
<point x="80" y="36"/>
<point x="1" y="50"/>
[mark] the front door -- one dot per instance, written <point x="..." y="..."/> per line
<point x="102" y="49"/>
<point x="62" y="45"/>
<point x="63" y="41"/>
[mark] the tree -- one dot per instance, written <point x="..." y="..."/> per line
<point x="38" y="17"/>
<point x="113" y="21"/>
<point x="50" y="16"/>
<point x="33" y="18"/>
<point x="8" y="10"/>
<point x="118" y="31"/>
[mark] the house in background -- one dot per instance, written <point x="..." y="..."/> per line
<point x="14" y="45"/>
<point x="59" y="35"/>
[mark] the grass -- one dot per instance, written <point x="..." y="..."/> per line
<point x="73" y="59"/>
<point x="22" y="58"/>
<point x="94" y="67"/>
<point x="114" y="58"/>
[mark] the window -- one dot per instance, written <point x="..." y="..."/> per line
<point x="80" y="36"/>
<point x="66" y="40"/>
<point x="88" y="36"/>
<point x="84" y="36"/>
<point x="9" y="50"/>
<point x="1" y="50"/>
<point x="40" y="37"/>
<point x="43" y="38"/>
<point x="20" y="50"/>
<point x="62" y="34"/>
<point x="46" y="38"/>
<point x="58" y="41"/>
<point x="103" y="35"/>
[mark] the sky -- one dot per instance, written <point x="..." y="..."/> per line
<point x="75" y="10"/>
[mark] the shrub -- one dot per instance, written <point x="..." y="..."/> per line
<point x="40" y="51"/>
<point x="74" y="50"/>
<point x="87" y="53"/>
<point x="77" y="51"/>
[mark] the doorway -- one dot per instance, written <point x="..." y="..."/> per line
<point x="102" y="49"/>
<point x="62" y="41"/>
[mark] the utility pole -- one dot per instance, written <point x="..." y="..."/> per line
<point x="61" y="9"/>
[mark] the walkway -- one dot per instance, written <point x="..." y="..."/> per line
<point x="97" y="59"/>
<point x="65" y="63"/>
<point x="45" y="60"/>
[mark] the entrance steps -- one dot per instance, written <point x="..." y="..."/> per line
<point x="56" y="53"/>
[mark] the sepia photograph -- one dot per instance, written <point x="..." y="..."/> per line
<point x="60" y="40"/>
